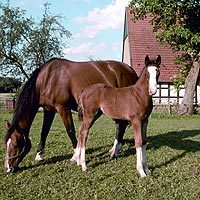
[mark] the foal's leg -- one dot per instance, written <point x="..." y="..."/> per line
<point x="144" y="137"/>
<point x="138" y="144"/>
<point x="79" y="155"/>
<point x="47" y="121"/>
<point x="120" y="130"/>
<point x="74" y="157"/>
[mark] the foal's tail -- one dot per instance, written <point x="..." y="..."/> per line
<point x="80" y="113"/>
<point x="80" y="108"/>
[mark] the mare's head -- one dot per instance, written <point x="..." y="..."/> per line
<point x="153" y="66"/>
<point x="17" y="146"/>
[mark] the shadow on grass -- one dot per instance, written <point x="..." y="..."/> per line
<point x="48" y="161"/>
<point x="178" y="140"/>
<point x="60" y="158"/>
<point x="175" y="140"/>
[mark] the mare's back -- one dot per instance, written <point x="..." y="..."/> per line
<point x="62" y="79"/>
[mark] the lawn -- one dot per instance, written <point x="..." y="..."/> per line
<point x="173" y="159"/>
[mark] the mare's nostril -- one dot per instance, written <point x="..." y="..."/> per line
<point x="12" y="169"/>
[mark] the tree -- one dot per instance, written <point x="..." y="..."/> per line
<point x="26" y="44"/>
<point x="178" y="24"/>
<point x="8" y="84"/>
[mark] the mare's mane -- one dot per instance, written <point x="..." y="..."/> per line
<point x="25" y="99"/>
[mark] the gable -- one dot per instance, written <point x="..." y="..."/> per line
<point x="139" y="41"/>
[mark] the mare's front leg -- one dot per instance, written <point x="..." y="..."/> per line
<point x="47" y="122"/>
<point x="67" y="119"/>
<point x="140" y="152"/>
<point x="120" y="130"/>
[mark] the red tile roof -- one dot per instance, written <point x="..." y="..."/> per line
<point x="143" y="42"/>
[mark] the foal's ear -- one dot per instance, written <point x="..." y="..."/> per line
<point x="147" y="60"/>
<point x="158" y="60"/>
<point x="6" y="124"/>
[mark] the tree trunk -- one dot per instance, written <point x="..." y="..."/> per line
<point x="186" y="107"/>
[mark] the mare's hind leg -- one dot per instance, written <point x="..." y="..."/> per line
<point x="47" y="121"/>
<point x="66" y="116"/>
<point x="120" y="130"/>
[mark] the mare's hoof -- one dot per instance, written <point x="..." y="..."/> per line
<point x="39" y="158"/>
<point x="39" y="161"/>
<point x="113" y="155"/>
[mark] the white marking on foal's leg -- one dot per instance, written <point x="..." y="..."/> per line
<point x="115" y="149"/>
<point x="144" y="161"/>
<point x="82" y="159"/>
<point x="39" y="156"/>
<point x="73" y="159"/>
<point x="139" y="162"/>
<point x="77" y="155"/>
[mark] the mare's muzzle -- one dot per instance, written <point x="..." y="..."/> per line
<point x="12" y="170"/>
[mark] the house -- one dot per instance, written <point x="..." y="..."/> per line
<point x="139" y="40"/>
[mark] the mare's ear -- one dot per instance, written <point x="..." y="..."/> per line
<point x="147" y="60"/>
<point x="158" y="60"/>
<point x="6" y="124"/>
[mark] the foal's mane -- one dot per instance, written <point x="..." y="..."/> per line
<point x="25" y="99"/>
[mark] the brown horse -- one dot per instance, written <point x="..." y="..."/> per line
<point x="56" y="87"/>
<point x="133" y="103"/>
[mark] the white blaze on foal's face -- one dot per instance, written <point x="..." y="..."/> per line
<point x="152" y="79"/>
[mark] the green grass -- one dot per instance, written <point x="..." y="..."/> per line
<point x="173" y="158"/>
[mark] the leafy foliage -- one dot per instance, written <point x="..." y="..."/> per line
<point x="8" y="84"/>
<point x="185" y="62"/>
<point x="176" y="22"/>
<point x="25" y="43"/>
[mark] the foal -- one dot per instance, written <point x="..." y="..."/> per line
<point x="132" y="103"/>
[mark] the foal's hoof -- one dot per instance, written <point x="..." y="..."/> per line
<point x="142" y="173"/>
<point x="73" y="161"/>
<point x="84" y="169"/>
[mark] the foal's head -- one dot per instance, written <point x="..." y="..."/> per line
<point x="153" y="72"/>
